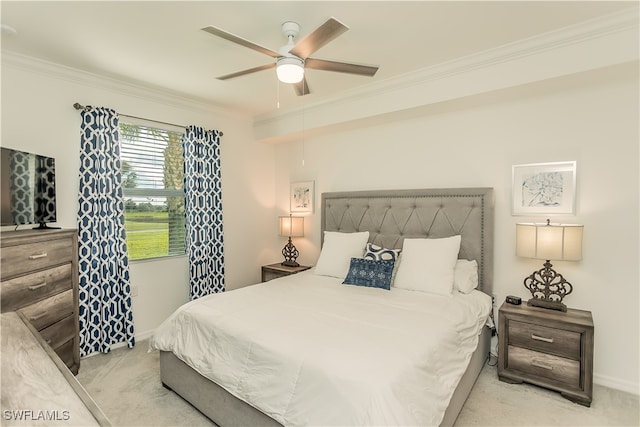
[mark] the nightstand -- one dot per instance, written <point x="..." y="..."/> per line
<point x="548" y="348"/>
<point x="273" y="271"/>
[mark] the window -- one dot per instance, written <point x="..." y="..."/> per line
<point x="152" y="180"/>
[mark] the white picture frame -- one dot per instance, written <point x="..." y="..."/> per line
<point x="544" y="189"/>
<point x="302" y="197"/>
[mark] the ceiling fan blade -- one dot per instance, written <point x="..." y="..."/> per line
<point x="239" y="40"/>
<point x="302" y="87"/>
<point x="341" y="67"/>
<point x="248" y="71"/>
<point x="319" y="37"/>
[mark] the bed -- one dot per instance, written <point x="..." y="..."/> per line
<point x="375" y="356"/>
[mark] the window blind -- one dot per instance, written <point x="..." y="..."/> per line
<point x="153" y="179"/>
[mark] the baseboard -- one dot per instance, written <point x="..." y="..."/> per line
<point x="618" y="384"/>
<point x="145" y="335"/>
<point x="139" y="337"/>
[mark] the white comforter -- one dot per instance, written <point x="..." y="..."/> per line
<point x="307" y="350"/>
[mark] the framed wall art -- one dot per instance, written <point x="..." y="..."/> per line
<point x="301" y="197"/>
<point x="544" y="188"/>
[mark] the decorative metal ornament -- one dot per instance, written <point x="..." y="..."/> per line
<point x="290" y="254"/>
<point x="548" y="288"/>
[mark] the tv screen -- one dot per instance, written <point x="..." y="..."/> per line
<point x="28" y="188"/>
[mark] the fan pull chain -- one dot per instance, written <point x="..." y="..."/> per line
<point x="303" y="89"/>
<point x="277" y="94"/>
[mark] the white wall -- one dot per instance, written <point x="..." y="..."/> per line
<point x="590" y="117"/>
<point x="37" y="116"/>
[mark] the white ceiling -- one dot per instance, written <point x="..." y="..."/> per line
<point x="160" y="44"/>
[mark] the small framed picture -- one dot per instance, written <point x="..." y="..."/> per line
<point x="302" y="196"/>
<point x="544" y="188"/>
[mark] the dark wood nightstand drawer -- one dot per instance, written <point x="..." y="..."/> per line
<point x="274" y="271"/>
<point x="270" y="275"/>
<point x="554" y="341"/>
<point x="563" y="370"/>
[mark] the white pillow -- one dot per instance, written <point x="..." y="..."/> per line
<point x="465" y="277"/>
<point x="428" y="265"/>
<point x="337" y="251"/>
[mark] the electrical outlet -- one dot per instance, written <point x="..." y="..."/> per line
<point x="493" y="300"/>
<point x="134" y="291"/>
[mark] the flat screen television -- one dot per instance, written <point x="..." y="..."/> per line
<point x="28" y="188"/>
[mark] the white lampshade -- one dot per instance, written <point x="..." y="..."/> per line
<point x="291" y="226"/>
<point x="290" y="70"/>
<point x="560" y="242"/>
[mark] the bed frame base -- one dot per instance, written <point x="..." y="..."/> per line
<point x="224" y="409"/>
<point x="213" y="401"/>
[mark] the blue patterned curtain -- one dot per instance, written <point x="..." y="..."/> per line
<point x="203" y="207"/>
<point x="105" y="291"/>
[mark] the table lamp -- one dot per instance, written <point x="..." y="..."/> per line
<point x="559" y="242"/>
<point x="291" y="226"/>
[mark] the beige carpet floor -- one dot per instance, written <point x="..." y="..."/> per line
<point x="126" y="385"/>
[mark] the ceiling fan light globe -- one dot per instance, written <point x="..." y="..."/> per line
<point x="290" y="70"/>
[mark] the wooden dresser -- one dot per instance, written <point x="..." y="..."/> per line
<point x="39" y="278"/>
<point x="39" y="390"/>
<point x="549" y="348"/>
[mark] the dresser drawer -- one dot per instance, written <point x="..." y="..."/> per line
<point x="29" y="257"/>
<point x="60" y="332"/>
<point x="49" y="311"/>
<point x="554" y="341"/>
<point x="563" y="370"/>
<point x="23" y="290"/>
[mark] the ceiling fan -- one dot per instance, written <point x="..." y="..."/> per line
<point x="292" y="58"/>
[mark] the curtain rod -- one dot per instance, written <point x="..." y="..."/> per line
<point x="79" y="106"/>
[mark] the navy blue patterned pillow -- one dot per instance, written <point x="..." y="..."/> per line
<point x="378" y="252"/>
<point x="371" y="273"/>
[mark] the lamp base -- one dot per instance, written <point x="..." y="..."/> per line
<point x="290" y="254"/>
<point x="548" y="288"/>
<point x="290" y="263"/>
<point x="551" y="305"/>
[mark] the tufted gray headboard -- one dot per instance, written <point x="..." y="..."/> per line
<point x="392" y="215"/>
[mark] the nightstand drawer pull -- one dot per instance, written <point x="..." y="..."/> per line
<point x="36" y="287"/>
<point x="539" y="364"/>
<point x="539" y="338"/>
<point x="38" y="256"/>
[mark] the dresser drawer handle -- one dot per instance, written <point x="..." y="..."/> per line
<point x="36" y="287"/>
<point x="539" y="364"/>
<point x="48" y="341"/>
<point x="539" y="338"/>
<point x="38" y="316"/>
<point x="38" y="256"/>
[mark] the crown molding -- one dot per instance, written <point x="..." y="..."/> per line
<point x="622" y="24"/>
<point x="142" y="91"/>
